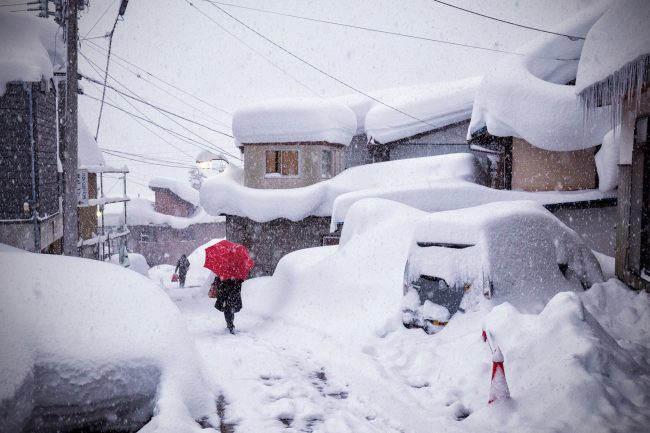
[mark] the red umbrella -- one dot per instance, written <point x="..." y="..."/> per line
<point x="228" y="260"/>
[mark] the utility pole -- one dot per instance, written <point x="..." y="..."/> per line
<point x="69" y="148"/>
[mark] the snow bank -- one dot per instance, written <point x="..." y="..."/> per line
<point x="294" y="120"/>
<point x="515" y="246"/>
<point x="427" y="107"/>
<point x="31" y="49"/>
<point x="527" y="97"/>
<point x="450" y="194"/>
<point x="140" y="211"/>
<point x="616" y="57"/>
<point x="181" y="189"/>
<point x="89" y="336"/>
<point x="225" y="193"/>
<point x="579" y="365"/>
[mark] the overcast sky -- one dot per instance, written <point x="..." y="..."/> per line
<point x="225" y="65"/>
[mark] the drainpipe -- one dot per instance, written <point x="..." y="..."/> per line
<point x="32" y="150"/>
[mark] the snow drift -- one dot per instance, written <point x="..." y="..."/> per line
<point x="90" y="344"/>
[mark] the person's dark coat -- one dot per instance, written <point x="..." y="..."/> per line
<point x="228" y="295"/>
<point x="182" y="266"/>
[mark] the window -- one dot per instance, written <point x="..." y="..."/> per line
<point x="282" y="162"/>
<point x="326" y="164"/>
<point x="148" y="234"/>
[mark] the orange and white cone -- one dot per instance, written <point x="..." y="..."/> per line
<point x="499" y="386"/>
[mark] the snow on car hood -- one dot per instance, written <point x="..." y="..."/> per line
<point x="87" y="316"/>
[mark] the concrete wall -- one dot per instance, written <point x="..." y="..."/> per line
<point x="22" y="234"/>
<point x="535" y="169"/>
<point x="164" y="244"/>
<point x="268" y="242"/>
<point x="309" y="165"/>
<point x="168" y="203"/>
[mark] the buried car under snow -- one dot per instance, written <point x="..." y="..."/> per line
<point x="508" y="251"/>
<point x="90" y="346"/>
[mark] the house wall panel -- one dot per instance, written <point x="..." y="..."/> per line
<point x="309" y="164"/>
<point x="268" y="242"/>
<point x="535" y="169"/>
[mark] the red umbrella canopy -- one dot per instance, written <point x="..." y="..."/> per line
<point x="228" y="260"/>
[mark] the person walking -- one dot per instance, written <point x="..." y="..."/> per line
<point x="182" y="266"/>
<point x="228" y="299"/>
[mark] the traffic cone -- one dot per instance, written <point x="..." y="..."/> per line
<point x="499" y="386"/>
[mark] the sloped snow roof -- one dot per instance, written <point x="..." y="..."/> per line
<point x="294" y="120"/>
<point x="421" y="108"/>
<point x="226" y="194"/>
<point x="616" y="54"/>
<point x="527" y="97"/>
<point x="140" y="211"/>
<point x="31" y="49"/>
<point x="181" y="189"/>
<point x="89" y="154"/>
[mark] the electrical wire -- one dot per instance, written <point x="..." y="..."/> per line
<point x="158" y="164"/>
<point x="164" y="81"/>
<point x="146" y="157"/>
<point x="18" y="4"/>
<point x="142" y="101"/>
<point x="369" y="29"/>
<point x="271" y="62"/>
<point x="573" y="38"/>
<point x="138" y="75"/>
<point x="108" y="62"/>
<point x="137" y="120"/>
<point x="189" y="140"/>
<point x="99" y="19"/>
<point x="206" y="142"/>
<point x="317" y="68"/>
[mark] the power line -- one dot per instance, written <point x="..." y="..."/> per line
<point x="108" y="60"/>
<point x="18" y="4"/>
<point x="142" y="101"/>
<point x="138" y="75"/>
<point x="142" y="161"/>
<point x="573" y="38"/>
<point x="99" y="19"/>
<point x="139" y="111"/>
<point x="369" y="29"/>
<point x="147" y="157"/>
<point x="163" y="81"/>
<point x="189" y="140"/>
<point x="207" y="142"/>
<point x="271" y="62"/>
<point x="318" y="69"/>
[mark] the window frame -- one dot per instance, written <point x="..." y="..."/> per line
<point x="278" y="164"/>
<point x="640" y="254"/>
<point x="323" y="174"/>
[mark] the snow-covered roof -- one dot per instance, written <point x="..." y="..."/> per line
<point x="527" y="97"/>
<point x="31" y="49"/>
<point x="181" y="189"/>
<point x="616" y="55"/>
<point x="140" y="211"/>
<point x="294" y="120"/>
<point x="89" y="154"/>
<point x="421" y="108"/>
<point x="226" y="193"/>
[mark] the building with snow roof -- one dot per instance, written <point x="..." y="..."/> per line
<point x="614" y="72"/>
<point x="95" y="240"/>
<point x="289" y="143"/>
<point x="173" y="224"/>
<point x="30" y="212"/>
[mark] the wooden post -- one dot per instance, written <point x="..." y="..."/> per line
<point x="69" y="148"/>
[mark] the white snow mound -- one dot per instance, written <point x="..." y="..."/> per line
<point x="80" y="336"/>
